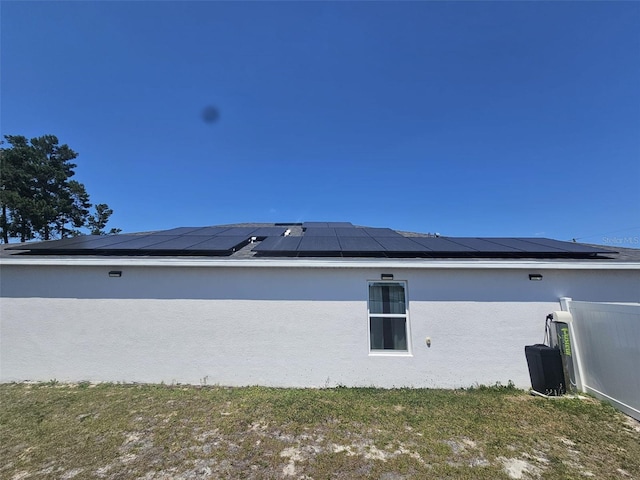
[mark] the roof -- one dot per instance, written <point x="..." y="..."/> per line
<point x="312" y="240"/>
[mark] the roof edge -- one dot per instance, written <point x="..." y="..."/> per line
<point x="321" y="263"/>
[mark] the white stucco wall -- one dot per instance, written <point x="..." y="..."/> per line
<point x="278" y="326"/>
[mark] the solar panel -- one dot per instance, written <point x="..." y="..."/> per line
<point x="179" y="243"/>
<point x="90" y="242"/>
<point x="524" y="245"/>
<point x="238" y="232"/>
<point x="278" y="244"/>
<point x="382" y="232"/>
<point x="208" y="231"/>
<point x="54" y="244"/>
<point x="441" y="245"/>
<point x="566" y="246"/>
<point x="178" y="231"/>
<point x="268" y="232"/>
<point x="340" y="225"/>
<point x="327" y="225"/>
<point x="315" y="224"/>
<point x="359" y="244"/>
<point x="77" y="243"/>
<point x="219" y="244"/>
<point x="319" y="244"/>
<point x="399" y="244"/>
<point x="137" y="243"/>
<point x="320" y="232"/>
<point x="484" y="246"/>
<point x="96" y="242"/>
<point x="351" y="232"/>
<point x="519" y="247"/>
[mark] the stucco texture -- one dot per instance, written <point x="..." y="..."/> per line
<point x="277" y="326"/>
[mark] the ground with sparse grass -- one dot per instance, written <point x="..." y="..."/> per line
<point x="176" y="432"/>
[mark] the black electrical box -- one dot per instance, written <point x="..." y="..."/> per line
<point x="545" y="369"/>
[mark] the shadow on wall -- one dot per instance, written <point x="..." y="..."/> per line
<point x="318" y="284"/>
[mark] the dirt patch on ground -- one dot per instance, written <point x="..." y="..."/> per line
<point x="153" y="432"/>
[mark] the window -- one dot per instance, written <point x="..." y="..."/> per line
<point x="387" y="317"/>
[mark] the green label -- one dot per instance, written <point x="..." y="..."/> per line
<point x="566" y="342"/>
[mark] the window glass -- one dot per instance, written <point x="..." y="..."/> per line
<point x="388" y="333"/>
<point x="386" y="298"/>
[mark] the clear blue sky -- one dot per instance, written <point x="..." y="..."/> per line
<point x="467" y="119"/>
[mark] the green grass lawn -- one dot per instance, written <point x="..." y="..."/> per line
<point x="177" y="432"/>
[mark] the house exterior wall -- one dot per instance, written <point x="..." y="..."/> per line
<point x="299" y="327"/>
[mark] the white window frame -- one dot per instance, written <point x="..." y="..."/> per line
<point x="390" y="353"/>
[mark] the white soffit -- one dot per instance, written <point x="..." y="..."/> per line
<point x="425" y="264"/>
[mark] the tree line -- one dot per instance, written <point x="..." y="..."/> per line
<point x="38" y="198"/>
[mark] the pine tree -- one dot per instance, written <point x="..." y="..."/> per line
<point x="98" y="222"/>
<point x="38" y="197"/>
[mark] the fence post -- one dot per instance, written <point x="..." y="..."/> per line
<point x="565" y="303"/>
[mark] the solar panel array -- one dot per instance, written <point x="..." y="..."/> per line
<point x="326" y="239"/>
<point x="178" y="241"/>
<point x="338" y="239"/>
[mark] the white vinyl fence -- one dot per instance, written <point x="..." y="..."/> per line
<point x="606" y="341"/>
